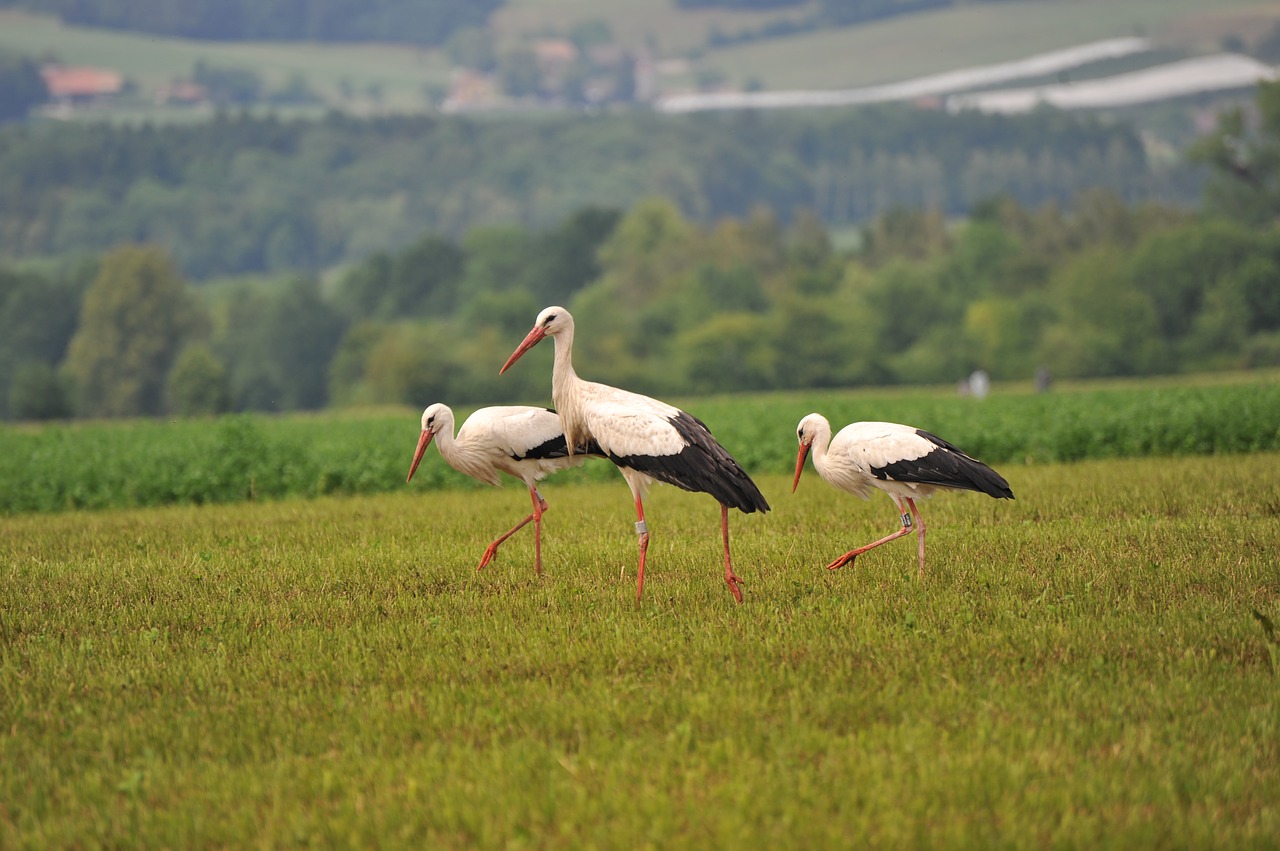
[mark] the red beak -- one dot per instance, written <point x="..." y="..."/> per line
<point x="423" y="442"/>
<point x="530" y="340"/>
<point x="804" y="453"/>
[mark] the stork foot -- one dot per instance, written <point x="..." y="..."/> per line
<point x="732" y="580"/>
<point x="490" y="553"/>
<point x="847" y="558"/>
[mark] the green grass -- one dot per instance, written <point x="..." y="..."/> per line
<point x="1080" y="668"/>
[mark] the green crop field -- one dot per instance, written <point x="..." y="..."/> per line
<point x="1082" y="667"/>
<point x="130" y="464"/>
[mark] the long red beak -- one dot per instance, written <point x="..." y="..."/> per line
<point x="803" y="454"/>
<point x="531" y="339"/>
<point x="423" y="442"/>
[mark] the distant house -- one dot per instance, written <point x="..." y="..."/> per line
<point x="554" y="53"/>
<point x="182" y="92"/>
<point x="75" y="84"/>
<point x="470" y="90"/>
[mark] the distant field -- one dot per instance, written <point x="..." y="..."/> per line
<point x="379" y="77"/>
<point x="658" y="24"/>
<point x="1081" y="668"/>
<point x="400" y="73"/>
<point x="977" y="34"/>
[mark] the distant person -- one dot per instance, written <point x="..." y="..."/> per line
<point x="1044" y="380"/>
<point x="979" y="384"/>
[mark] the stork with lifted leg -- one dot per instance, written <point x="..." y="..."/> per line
<point x="518" y="440"/>
<point x="906" y="463"/>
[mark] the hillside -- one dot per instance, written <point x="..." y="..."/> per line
<point x="542" y="54"/>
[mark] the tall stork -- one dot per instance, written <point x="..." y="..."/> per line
<point x="518" y="440"/>
<point x="906" y="463"/>
<point x="647" y="439"/>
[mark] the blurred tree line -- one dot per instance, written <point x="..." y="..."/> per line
<point x="419" y="22"/>
<point x="21" y="86"/>
<point x="665" y="304"/>
<point x="243" y="194"/>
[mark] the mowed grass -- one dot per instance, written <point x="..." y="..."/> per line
<point x="1081" y="667"/>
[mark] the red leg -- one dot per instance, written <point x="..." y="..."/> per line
<point x="642" y="529"/>
<point x="919" y="531"/>
<point x="538" y="507"/>
<point x="848" y="557"/>
<point x="730" y="578"/>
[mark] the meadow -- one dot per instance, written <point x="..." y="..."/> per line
<point x="1080" y="667"/>
<point x="1091" y="665"/>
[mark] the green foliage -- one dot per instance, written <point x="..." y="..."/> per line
<point x="420" y="22"/>
<point x="420" y="280"/>
<point x="1081" y="668"/>
<point x="730" y="353"/>
<point x="137" y="315"/>
<point x="197" y="384"/>
<point x="1245" y="157"/>
<point x="277" y="345"/>
<point x="56" y="467"/>
<point x="227" y="85"/>
<point x="243" y="194"/>
<point x="37" y="393"/>
<point x="21" y="87"/>
<point x="38" y="315"/>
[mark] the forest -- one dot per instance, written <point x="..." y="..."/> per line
<point x="420" y="22"/>
<point x="244" y="194"/>
<point x="668" y="303"/>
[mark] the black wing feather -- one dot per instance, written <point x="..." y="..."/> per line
<point x="703" y="466"/>
<point x="946" y="467"/>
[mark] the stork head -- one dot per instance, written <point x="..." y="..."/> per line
<point x="551" y="321"/>
<point x="805" y="433"/>
<point x="434" y="418"/>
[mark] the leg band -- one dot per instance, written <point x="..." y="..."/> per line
<point x="642" y="528"/>
<point x="906" y="521"/>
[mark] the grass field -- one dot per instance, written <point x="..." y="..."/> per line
<point x="1081" y="668"/>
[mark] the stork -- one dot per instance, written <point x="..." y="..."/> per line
<point x="518" y="440"/>
<point x="906" y="463"/>
<point x="647" y="439"/>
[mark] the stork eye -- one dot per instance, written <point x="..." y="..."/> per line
<point x="551" y="318"/>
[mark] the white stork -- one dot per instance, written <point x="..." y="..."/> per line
<point x="518" y="440"/>
<point x="902" y="461"/>
<point x="647" y="439"/>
